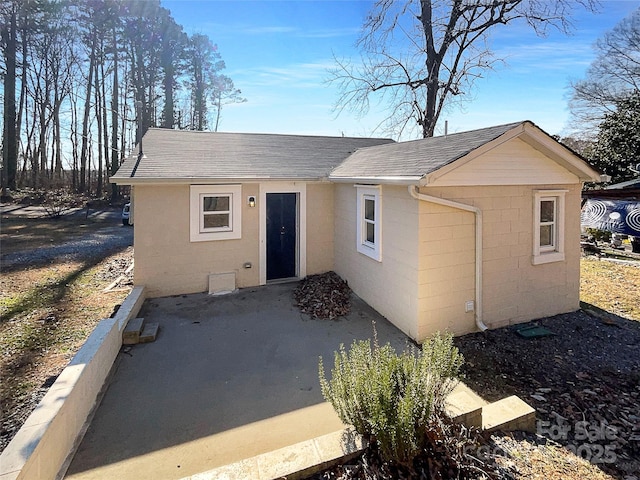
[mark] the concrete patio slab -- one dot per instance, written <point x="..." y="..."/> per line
<point x="228" y="378"/>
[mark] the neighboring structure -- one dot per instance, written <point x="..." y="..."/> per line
<point x="458" y="232"/>
<point x="615" y="208"/>
<point x="629" y="190"/>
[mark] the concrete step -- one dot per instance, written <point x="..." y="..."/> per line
<point x="465" y="406"/>
<point x="149" y="333"/>
<point x="509" y="414"/>
<point x="295" y="462"/>
<point x="131" y="333"/>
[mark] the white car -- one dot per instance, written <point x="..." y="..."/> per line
<point x="125" y="214"/>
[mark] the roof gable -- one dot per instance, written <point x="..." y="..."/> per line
<point x="513" y="162"/>
<point x="415" y="158"/>
<point x="426" y="160"/>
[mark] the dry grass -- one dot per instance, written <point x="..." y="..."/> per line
<point x="46" y="312"/>
<point x="546" y="462"/>
<point x="610" y="286"/>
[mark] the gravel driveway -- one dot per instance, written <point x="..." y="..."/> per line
<point x="100" y="243"/>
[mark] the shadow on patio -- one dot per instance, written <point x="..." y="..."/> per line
<point x="227" y="378"/>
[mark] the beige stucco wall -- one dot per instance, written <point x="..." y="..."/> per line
<point x="320" y="206"/>
<point x="389" y="286"/>
<point x="427" y="272"/>
<point x="515" y="290"/>
<point x="446" y="274"/>
<point x="168" y="263"/>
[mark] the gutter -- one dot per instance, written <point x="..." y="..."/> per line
<point x="388" y="180"/>
<point x="119" y="180"/>
<point x="414" y="192"/>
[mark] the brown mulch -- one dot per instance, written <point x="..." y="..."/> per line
<point x="537" y="458"/>
<point x="584" y="382"/>
<point x="452" y="452"/>
<point x="325" y="295"/>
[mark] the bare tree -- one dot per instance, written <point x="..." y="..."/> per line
<point x="612" y="76"/>
<point x="65" y="65"/>
<point x="417" y="54"/>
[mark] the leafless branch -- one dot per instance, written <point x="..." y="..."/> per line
<point x="418" y="54"/>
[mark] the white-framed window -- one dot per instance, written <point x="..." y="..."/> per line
<point x="368" y="236"/>
<point x="548" y="226"/>
<point x="215" y="212"/>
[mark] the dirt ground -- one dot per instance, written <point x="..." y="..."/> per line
<point x="50" y="301"/>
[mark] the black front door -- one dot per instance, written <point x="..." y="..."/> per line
<point x="281" y="235"/>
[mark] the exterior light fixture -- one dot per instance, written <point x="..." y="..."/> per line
<point x="251" y="201"/>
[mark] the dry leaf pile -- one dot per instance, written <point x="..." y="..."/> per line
<point x="324" y="296"/>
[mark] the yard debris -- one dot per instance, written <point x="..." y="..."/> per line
<point x="118" y="270"/>
<point x="325" y="296"/>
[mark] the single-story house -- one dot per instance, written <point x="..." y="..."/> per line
<point x="458" y="232"/>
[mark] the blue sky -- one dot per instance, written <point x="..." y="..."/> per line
<point x="278" y="54"/>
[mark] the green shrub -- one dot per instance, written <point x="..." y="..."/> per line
<point x="391" y="397"/>
<point x="599" y="235"/>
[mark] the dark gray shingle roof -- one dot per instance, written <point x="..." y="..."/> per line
<point x="418" y="157"/>
<point x="173" y="154"/>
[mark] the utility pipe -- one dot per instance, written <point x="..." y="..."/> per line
<point x="415" y="193"/>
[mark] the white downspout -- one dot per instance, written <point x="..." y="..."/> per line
<point x="414" y="192"/>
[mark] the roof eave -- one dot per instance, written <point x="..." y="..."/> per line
<point x="207" y="180"/>
<point x="403" y="180"/>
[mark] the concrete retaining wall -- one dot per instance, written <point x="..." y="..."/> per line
<point x="45" y="441"/>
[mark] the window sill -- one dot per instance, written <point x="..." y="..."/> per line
<point x="548" y="258"/>
<point x="213" y="236"/>
<point x="370" y="252"/>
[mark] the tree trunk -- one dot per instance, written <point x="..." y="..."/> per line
<point x="57" y="137"/>
<point x="432" y="62"/>
<point x="22" y="105"/>
<point x="85" y="121"/>
<point x="44" y="122"/>
<point x="105" y="127"/>
<point x="168" y="102"/>
<point x="218" y="112"/>
<point x="74" y="142"/>
<point x="98" y="105"/>
<point x="114" y="120"/>
<point x="10" y="141"/>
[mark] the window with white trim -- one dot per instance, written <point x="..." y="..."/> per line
<point x="368" y="237"/>
<point x="548" y="226"/>
<point x="215" y="212"/>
